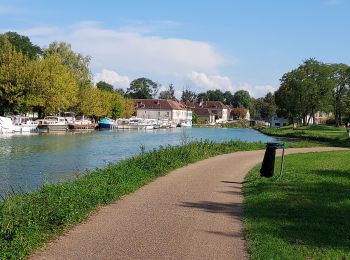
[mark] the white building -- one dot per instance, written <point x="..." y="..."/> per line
<point x="162" y="109"/>
<point x="276" y="122"/>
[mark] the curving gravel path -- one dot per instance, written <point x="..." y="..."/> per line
<point x="192" y="213"/>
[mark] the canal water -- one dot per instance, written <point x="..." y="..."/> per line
<point x="27" y="161"/>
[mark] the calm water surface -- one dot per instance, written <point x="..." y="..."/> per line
<point x="26" y="161"/>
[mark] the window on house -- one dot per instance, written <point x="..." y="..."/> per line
<point x="277" y="124"/>
<point x="167" y="114"/>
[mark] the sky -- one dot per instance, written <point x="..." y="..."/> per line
<point x="194" y="44"/>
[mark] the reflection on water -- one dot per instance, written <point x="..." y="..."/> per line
<point x="27" y="161"/>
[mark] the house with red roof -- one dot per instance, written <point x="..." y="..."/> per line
<point x="163" y="109"/>
<point x="218" y="109"/>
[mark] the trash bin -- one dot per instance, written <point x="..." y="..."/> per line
<point x="268" y="165"/>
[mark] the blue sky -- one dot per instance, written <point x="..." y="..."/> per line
<point x="199" y="44"/>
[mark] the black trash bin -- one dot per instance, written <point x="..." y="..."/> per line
<point x="268" y="165"/>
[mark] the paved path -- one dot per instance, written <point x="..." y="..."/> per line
<point x="192" y="213"/>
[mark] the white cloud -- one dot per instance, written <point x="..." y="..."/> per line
<point x="206" y="82"/>
<point x="136" y="53"/>
<point x="40" y="31"/>
<point x="112" y="78"/>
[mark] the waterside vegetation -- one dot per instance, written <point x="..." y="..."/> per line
<point x="29" y="220"/>
<point x="305" y="214"/>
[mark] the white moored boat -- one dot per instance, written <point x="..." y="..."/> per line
<point x="52" y="123"/>
<point x="24" y="124"/>
<point x="6" y="125"/>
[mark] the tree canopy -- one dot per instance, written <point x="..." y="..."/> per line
<point x="23" y="44"/>
<point x="102" y="85"/>
<point x="242" y="99"/>
<point x="142" y="88"/>
<point x="188" y="96"/>
<point x="168" y="94"/>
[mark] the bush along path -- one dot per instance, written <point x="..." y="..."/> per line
<point x="192" y="213"/>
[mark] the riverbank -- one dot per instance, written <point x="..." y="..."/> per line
<point x="330" y="135"/>
<point x="304" y="215"/>
<point x="27" y="221"/>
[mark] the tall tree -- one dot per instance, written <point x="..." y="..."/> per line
<point x="201" y="97"/>
<point x="188" y="96"/>
<point x="341" y="78"/>
<point x="14" y="79"/>
<point x="76" y="62"/>
<point x="242" y="99"/>
<point x="142" y="88"/>
<point x="228" y="98"/>
<point x="168" y="94"/>
<point x="304" y="91"/>
<point x="102" y="85"/>
<point x="23" y="44"/>
<point x="216" y="95"/>
<point x="55" y="86"/>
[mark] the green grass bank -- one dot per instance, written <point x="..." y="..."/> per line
<point x="331" y="135"/>
<point x="27" y="221"/>
<point x="304" y="215"/>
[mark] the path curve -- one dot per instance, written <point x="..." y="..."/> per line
<point x="192" y="213"/>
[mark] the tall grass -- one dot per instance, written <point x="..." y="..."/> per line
<point x="28" y="220"/>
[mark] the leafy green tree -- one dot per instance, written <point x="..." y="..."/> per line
<point x="76" y="62"/>
<point x="304" y="91"/>
<point x="54" y="86"/>
<point x="341" y="78"/>
<point x="120" y="91"/>
<point x="201" y="97"/>
<point x="14" y="79"/>
<point x="216" y="95"/>
<point x="228" y="98"/>
<point x="242" y="99"/>
<point x="188" y="96"/>
<point x="142" y="88"/>
<point x="117" y="105"/>
<point x="168" y="94"/>
<point x="23" y="44"/>
<point x="104" y="86"/>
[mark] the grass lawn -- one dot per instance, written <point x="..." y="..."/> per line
<point x="334" y="135"/>
<point x="304" y="215"/>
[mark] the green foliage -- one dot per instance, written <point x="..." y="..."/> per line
<point x="76" y="62"/>
<point x="242" y="99"/>
<point x="101" y="85"/>
<point x="15" y="78"/>
<point x="29" y="220"/>
<point x="188" y="96"/>
<point x="23" y="44"/>
<point x="305" y="91"/>
<point x="55" y="87"/>
<point x="264" y="108"/>
<point x="168" y="94"/>
<point x="142" y="88"/>
<point x="304" y="215"/>
<point x="341" y="91"/>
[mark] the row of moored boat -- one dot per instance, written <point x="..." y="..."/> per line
<point x="69" y="122"/>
